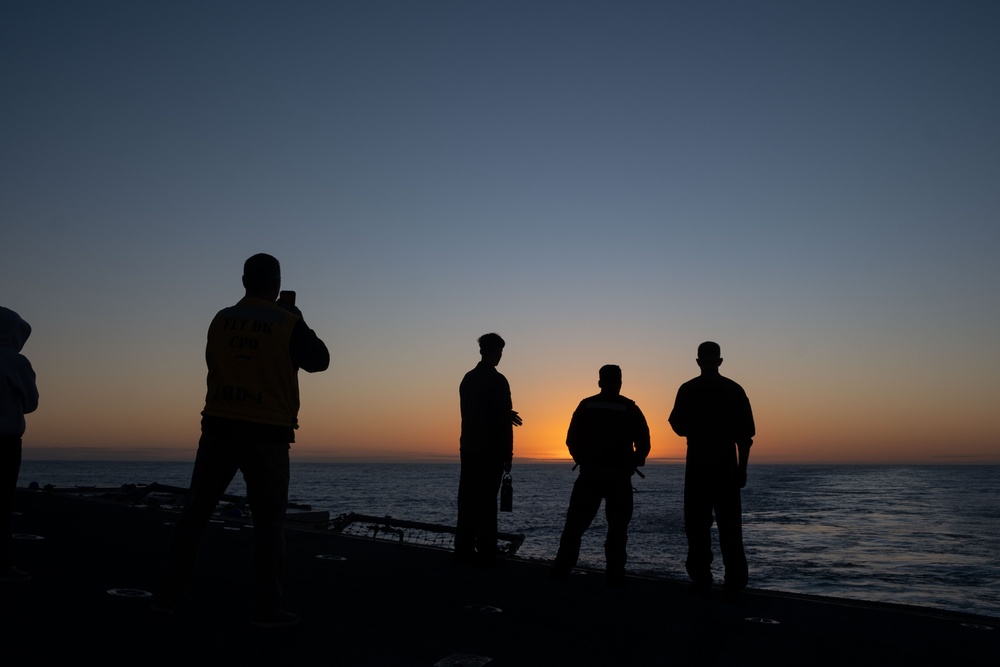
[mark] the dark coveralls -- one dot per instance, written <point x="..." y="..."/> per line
<point x="714" y="414"/>
<point x="608" y="437"/>
<point x="487" y="443"/>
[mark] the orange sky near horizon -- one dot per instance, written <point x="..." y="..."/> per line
<point x="377" y="419"/>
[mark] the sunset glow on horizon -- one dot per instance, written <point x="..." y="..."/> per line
<point x="813" y="186"/>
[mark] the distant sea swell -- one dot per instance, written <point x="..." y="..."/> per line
<point x="922" y="535"/>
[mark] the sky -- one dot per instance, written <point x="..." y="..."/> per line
<point x="813" y="185"/>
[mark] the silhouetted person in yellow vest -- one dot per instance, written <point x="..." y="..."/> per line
<point x="486" y="449"/>
<point x="254" y="352"/>
<point x="608" y="438"/>
<point x="714" y="414"/>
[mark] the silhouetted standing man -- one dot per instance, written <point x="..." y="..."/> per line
<point x="714" y="414"/>
<point x="608" y="438"/>
<point x="254" y="351"/>
<point x="486" y="450"/>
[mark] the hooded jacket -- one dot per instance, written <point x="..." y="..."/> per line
<point x="18" y="393"/>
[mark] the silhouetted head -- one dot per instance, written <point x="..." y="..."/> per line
<point x="14" y="331"/>
<point x="709" y="356"/>
<point x="491" y="347"/>
<point x="609" y="379"/>
<point x="262" y="276"/>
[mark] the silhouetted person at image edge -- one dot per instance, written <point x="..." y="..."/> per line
<point x="254" y="351"/>
<point x="608" y="438"/>
<point x="486" y="450"/>
<point x="714" y="414"/>
<point x="18" y="396"/>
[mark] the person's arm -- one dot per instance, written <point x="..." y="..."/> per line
<point x="307" y="351"/>
<point x="641" y="438"/>
<point x="745" y="439"/>
<point x="574" y="436"/>
<point x="743" y="451"/>
<point x="515" y="420"/>
<point x="29" y="390"/>
<point x="677" y="417"/>
<point x="499" y="415"/>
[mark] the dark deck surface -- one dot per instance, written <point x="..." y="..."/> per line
<point x="392" y="604"/>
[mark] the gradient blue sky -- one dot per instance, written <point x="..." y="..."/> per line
<point x="812" y="184"/>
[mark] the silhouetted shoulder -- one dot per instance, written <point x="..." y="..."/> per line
<point x="712" y="407"/>
<point x="484" y="377"/>
<point x="614" y="403"/>
<point x="712" y="383"/>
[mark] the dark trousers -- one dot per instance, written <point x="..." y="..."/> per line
<point x="476" y="530"/>
<point x="10" y="466"/>
<point x="708" y="491"/>
<point x="588" y="491"/>
<point x="265" y="470"/>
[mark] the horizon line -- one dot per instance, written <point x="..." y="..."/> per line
<point x="427" y="460"/>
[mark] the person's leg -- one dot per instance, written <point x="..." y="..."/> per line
<point x="266" y="472"/>
<point x="728" y="516"/>
<point x="698" y="528"/>
<point x="10" y="465"/>
<point x="584" y="502"/>
<point x="486" y="512"/>
<point x="465" y="528"/>
<point x="214" y="468"/>
<point x="618" y="510"/>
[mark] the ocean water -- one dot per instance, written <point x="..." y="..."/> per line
<point x="920" y="535"/>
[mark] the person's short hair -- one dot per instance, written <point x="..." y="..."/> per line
<point x="709" y="351"/>
<point x="609" y="373"/>
<point x="490" y="342"/>
<point x="260" y="272"/>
